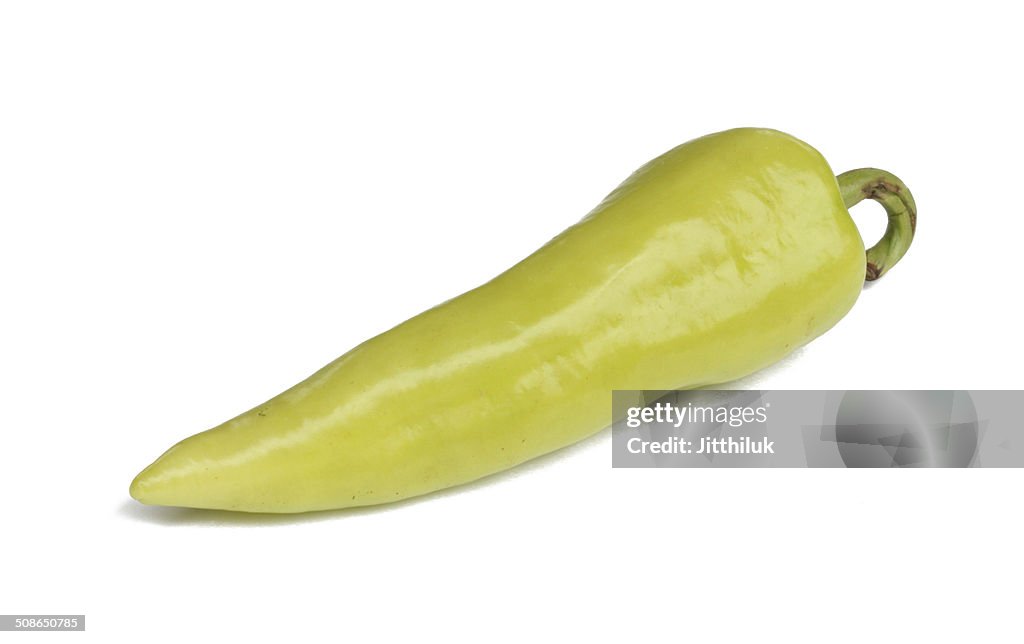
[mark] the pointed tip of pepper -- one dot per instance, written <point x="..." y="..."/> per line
<point x="187" y="476"/>
<point x="228" y="469"/>
<point x="143" y="489"/>
<point x="137" y="489"/>
<point x="166" y="481"/>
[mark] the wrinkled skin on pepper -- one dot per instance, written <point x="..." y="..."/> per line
<point x="710" y="262"/>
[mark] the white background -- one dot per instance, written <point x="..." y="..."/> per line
<point x="203" y="202"/>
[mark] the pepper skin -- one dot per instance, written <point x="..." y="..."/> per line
<point x="710" y="262"/>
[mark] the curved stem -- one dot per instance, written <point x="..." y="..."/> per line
<point x="895" y="197"/>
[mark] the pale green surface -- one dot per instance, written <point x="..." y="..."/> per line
<point x="710" y="262"/>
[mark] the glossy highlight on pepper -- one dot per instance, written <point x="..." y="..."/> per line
<point x="710" y="262"/>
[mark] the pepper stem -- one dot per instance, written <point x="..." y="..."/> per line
<point x="895" y="197"/>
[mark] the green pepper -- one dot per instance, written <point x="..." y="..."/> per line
<point x="708" y="263"/>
